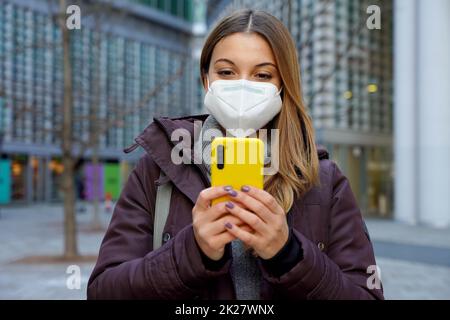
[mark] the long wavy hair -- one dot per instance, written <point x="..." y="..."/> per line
<point x="298" y="160"/>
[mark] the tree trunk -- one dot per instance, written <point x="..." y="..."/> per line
<point x="70" y="224"/>
<point x="96" y="223"/>
<point x="70" y="234"/>
<point x="95" y="134"/>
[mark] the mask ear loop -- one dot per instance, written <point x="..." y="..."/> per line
<point x="279" y="91"/>
<point x="207" y="83"/>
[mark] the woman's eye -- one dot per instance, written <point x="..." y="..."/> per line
<point x="225" y="72"/>
<point x="263" y="76"/>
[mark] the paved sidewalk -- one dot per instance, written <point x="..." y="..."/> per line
<point x="414" y="261"/>
<point x="38" y="230"/>
<point x="392" y="231"/>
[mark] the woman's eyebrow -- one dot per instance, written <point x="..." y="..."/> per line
<point x="266" y="64"/>
<point x="256" y="66"/>
<point x="224" y="60"/>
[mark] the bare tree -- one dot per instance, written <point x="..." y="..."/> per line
<point x="75" y="147"/>
<point x="70" y="238"/>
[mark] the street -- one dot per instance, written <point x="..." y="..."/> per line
<point x="414" y="261"/>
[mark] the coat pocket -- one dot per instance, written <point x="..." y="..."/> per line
<point x="313" y="224"/>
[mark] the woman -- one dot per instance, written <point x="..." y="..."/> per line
<point x="304" y="231"/>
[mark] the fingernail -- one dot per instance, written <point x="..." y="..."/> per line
<point x="232" y="193"/>
<point x="229" y="205"/>
<point x="245" y="188"/>
<point x="228" y="225"/>
<point x="227" y="188"/>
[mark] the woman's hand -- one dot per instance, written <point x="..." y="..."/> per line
<point x="209" y="222"/>
<point x="262" y="212"/>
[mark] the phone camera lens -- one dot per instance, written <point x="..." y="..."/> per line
<point x="220" y="157"/>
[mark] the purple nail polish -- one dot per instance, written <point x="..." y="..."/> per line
<point x="227" y="188"/>
<point x="245" y="188"/>
<point x="229" y="205"/>
<point x="232" y="193"/>
<point x="228" y="225"/>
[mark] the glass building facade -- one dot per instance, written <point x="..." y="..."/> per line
<point x="131" y="60"/>
<point x="347" y="76"/>
<point x="181" y="9"/>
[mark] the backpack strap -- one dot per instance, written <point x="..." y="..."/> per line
<point x="162" y="207"/>
<point x="325" y="156"/>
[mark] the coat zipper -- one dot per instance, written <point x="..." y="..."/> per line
<point x="131" y="148"/>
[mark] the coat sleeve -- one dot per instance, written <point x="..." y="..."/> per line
<point x="342" y="272"/>
<point x="128" y="268"/>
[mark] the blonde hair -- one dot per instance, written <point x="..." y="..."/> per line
<point x="298" y="160"/>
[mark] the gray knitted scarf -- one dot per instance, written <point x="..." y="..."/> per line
<point x="244" y="269"/>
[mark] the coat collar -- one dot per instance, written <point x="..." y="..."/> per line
<point x="189" y="178"/>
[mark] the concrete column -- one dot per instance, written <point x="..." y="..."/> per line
<point x="433" y="77"/>
<point x="405" y="109"/>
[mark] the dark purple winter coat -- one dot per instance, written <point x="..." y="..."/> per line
<point x="326" y="221"/>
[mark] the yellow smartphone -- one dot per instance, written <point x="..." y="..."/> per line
<point x="236" y="162"/>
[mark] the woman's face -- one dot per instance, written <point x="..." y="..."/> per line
<point x="243" y="56"/>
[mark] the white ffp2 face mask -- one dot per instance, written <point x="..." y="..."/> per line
<point x="242" y="104"/>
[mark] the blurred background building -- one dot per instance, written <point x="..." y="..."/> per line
<point x="128" y="54"/>
<point x="422" y="112"/>
<point x="370" y="112"/>
<point x="379" y="99"/>
<point x="347" y="78"/>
